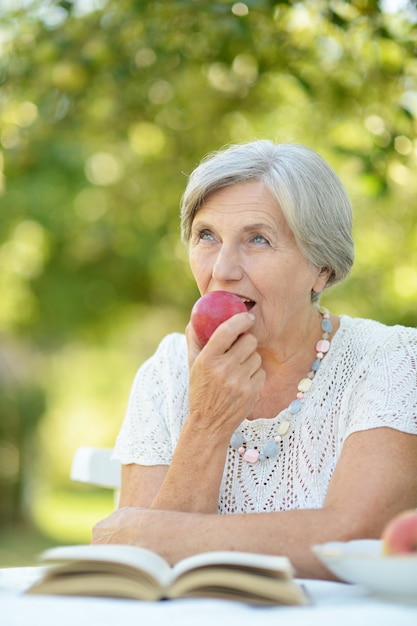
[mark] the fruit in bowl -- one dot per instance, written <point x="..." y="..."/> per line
<point x="213" y="309"/>
<point x="400" y="534"/>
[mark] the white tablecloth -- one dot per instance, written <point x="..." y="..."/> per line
<point x="333" y="604"/>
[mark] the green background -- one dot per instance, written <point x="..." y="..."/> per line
<point x="105" y="108"/>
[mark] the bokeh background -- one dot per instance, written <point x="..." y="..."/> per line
<point x="105" y="107"/>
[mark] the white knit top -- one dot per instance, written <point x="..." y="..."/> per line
<point x="368" y="379"/>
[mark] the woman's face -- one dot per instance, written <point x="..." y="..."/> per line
<point x="240" y="242"/>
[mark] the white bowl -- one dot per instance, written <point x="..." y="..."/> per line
<point x="362" y="562"/>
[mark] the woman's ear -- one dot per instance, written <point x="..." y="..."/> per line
<point x="323" y="276"/>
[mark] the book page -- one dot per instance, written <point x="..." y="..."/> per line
<point x="237" y="584"/>
<point x="107" y="584"/>
<point x="127" y="571"/>
<point x="277" y="566"/>
<point x="134" y="557"/>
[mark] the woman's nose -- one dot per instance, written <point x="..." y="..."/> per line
<point x="227" y="266"/>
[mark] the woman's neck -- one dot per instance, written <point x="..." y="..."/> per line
<point x="284" y="371"/>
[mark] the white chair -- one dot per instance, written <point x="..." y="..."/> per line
<point x="96" y="467"/>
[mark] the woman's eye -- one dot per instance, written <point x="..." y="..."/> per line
<point x="205" y="235"/>
<point x="259" y="239"/>
<point x="202" y="236"/>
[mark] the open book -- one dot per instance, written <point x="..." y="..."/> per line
<point x="129" y="572"/>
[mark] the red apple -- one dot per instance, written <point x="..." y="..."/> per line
<point x="400" y="534"/>
<point x="212" y="309"/>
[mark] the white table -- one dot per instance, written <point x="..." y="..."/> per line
<point x="333" y="604"/>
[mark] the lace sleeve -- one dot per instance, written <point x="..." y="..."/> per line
<point x="386" y="389"/>
<point x="157" y="407"/>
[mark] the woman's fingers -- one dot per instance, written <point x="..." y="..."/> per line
<point x="226" y="375"/>
<point x="223" y="337"/>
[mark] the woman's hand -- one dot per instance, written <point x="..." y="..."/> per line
<point x="226" y="375"/>
<point x="118" y="527"/>
<point x="137" y="526"/>
<point x="154" y="530"/>
<point x="226" y="379"/>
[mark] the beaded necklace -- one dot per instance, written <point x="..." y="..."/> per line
<point x="272" y="448"/>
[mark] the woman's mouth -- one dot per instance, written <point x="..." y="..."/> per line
<point x="249" y="304"/>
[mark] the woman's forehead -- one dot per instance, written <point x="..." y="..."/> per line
<point x="249" y="202"/>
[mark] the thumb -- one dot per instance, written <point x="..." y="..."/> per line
<point x="193" y="343"/>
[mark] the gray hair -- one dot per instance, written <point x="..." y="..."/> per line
<point x="309" y="192"/>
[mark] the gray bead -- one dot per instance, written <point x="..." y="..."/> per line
<point x="295" y="406"/>
<point x="315" y="365"/>
<point x="237" y="440"/>
<point x="271" y="449"/>
<point x="326" y="325"/>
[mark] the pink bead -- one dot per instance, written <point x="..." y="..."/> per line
<point x="323" y="345"/>
<point x="251" y="456"/>
<point x="241" y="450"/>
<point x="300" y="395"/>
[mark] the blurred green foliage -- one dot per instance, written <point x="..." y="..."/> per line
<point x="22" y="404"/>
<point x="107" y="105"/>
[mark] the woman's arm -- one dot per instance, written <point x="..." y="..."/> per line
<point x="376" y="477"/>
<point x="226" y="379"/>
<point x="140" y="484"/>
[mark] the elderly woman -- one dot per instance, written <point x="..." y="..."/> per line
<point x="291" y="426"/>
